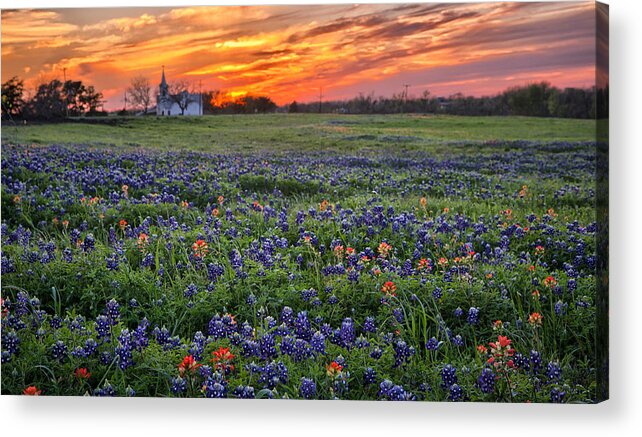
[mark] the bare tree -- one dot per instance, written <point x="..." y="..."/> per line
<point x="179" y="93"/>
<point x="139" y="93"/>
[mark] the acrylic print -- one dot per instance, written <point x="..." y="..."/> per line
<point x="390" y="202"/>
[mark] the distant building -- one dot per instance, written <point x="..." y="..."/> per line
<point x="168" y="105"/>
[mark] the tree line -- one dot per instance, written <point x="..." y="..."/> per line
<point x="536" y="100"/>
<point x="56" y="100"/>
<point x="50" y="101"/>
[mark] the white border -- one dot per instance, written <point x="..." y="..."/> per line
<point x="619" y="416"/>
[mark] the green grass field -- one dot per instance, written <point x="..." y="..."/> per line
<point x="283" y="132"/>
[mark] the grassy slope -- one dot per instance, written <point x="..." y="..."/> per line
<point x="303" y="131"/>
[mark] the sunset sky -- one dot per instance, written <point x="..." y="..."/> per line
<point x="289" y="52"/>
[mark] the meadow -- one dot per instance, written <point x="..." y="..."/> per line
<point x="301" y="257"/>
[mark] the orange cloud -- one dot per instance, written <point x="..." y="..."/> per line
<point x="289" y="52"/>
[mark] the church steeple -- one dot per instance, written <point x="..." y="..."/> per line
<point x="163" y="85"/>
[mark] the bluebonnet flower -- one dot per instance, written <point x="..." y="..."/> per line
<point x="124" y="350"/>
<point x="536" y="361"/>
<point x="432" y="344"/>
<point x="214" y="272"/>
<point x="215" y="386"/>
<point x="273" y="374"/>
<point x="473" y="316"/>
<point x="139" y="336"/>
<point x="458" y="312"/>
<point x="521" y="362"/>
<point x="302" y="326"/>
<point x="347" y="332"/>
<point x="307" y="295"/>
<point x="112" y="311"/>
<point x="107" y="390"/>
<point x="10" y="341"/>
<point x="317" y="343"/>
<point x="554" y="371"/>
<point x="448" y="376"/>
<point x="370" y="376"/>
<point x="560" y="308"/>
<point x="89" y="244"/>
<point x="287" y="316"/>
<point x="403" y="352"/>
<point x="198" y="346"/>
<point x="486" y="381"/>
<point x="389" y="391"/>
<point x="244" y="392"/>
<point x="59" y="351"/>
<point x="105" y="358"/>
<point x="369" y="325"/>
<point x="557" y="395"/>
<point x="308" y="388"/>
<point x="179" y="385"/>
<point x="456" y="393"/>
<point x="190" y="291"/>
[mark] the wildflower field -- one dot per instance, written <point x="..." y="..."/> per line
<point x="446" y="271"/>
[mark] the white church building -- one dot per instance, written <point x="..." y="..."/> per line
<point x="184" y="103"/>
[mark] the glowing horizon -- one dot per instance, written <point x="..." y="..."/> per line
<point x="290" y="52"/>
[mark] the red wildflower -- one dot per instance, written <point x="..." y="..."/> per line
<point x="333" y="368"/>
<point x="389" y="288"/>
<point x="501" y="351"/>
<point x="535" y="319"/>
<point x="123" y="224"/>
<point x="200" y="248"/>
<point x="32" y="390"/>
<point x="143" y="240"/>
<point x="424" y="263"/>
<point x="550" y="281"/>
<point x="222" y="357"/>
<point x="188" y="365"/>
<point x="82" y="373"/>
<point x="384" y="249"/>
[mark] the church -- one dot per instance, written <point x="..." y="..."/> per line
<point x="184" y="103"/>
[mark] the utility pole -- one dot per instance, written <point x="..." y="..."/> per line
<point x="125" y="102"/>
<point x="200" y="97"/>
<point x="404" y="97"/>
<point x="320" y="98"/>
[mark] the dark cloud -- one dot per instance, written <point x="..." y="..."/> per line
<point x="338" y="25"/>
